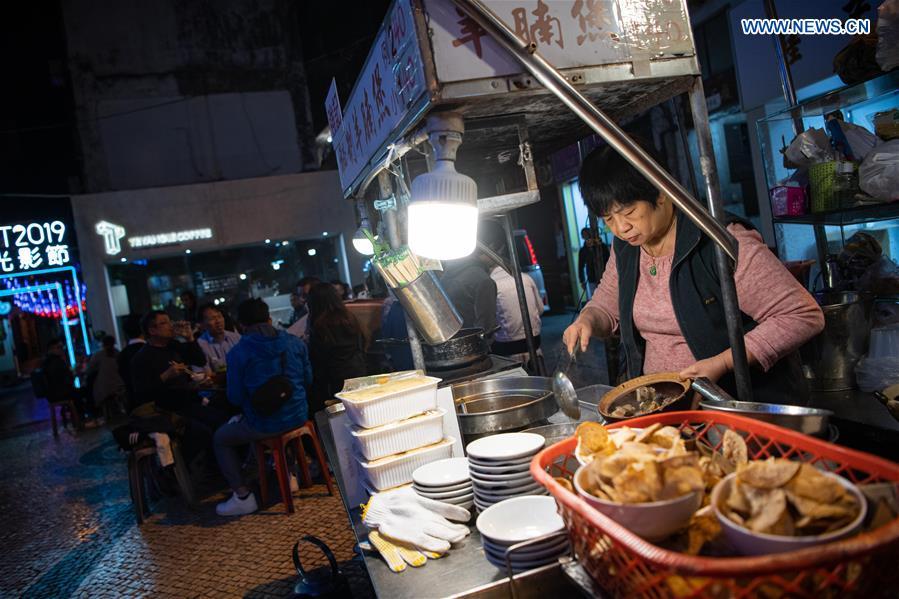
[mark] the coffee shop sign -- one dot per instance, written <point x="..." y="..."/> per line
<point x="113" y="234"/>
<point x="34" y="245"/>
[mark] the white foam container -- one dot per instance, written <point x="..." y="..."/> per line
<point x="390" y="407"/>
<point x="397" y="469"/>
<point x="397" y="437"/>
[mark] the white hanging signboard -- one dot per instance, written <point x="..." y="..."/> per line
<point x="568" y="33"/>
<point x="391" y="81"/>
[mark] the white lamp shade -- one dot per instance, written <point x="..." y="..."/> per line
<point x="363" y="245"/>
<point x="443" y="213"/>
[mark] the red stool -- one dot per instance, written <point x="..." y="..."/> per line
<point x="277" y="444"/>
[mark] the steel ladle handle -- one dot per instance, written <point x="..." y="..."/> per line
<point x="711" y="391"/>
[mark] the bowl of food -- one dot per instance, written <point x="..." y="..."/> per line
<point x="778" y="505"/>
<point x="649" y="483"/>
<point x="645" y="395"/>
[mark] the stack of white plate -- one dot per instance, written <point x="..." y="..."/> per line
<point x="521" y="519"/>
<point x="445" y="480"/>
<point x="499" y="466"/>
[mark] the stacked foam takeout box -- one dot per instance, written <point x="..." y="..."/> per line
<point x="396" y="426"/>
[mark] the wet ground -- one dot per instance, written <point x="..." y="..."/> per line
<point x="68" y="527"/>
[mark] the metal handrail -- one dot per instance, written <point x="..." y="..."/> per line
<point x="550" y="77"/>
<point x="555" y="82"/>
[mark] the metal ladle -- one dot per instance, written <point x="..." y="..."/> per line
<point x="564" y="389"/>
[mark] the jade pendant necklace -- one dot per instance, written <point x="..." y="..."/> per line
<point x="653" y="270"/>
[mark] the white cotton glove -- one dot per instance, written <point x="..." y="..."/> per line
<point x="406" y="517"/>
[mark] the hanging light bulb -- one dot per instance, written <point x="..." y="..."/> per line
<point x="443" y="212"/>
<point x="361" y="241"/>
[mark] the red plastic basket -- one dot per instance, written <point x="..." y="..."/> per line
<point x="625" y="565"/>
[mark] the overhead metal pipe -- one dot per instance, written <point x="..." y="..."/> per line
<point x="555" y="82"/>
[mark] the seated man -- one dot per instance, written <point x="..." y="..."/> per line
<point x="136" y="341"/>
<point x="262" y="354"/>
<point x="160" y="371"/>
<point x="59" y="378"/>
<point x="215" y="341"/>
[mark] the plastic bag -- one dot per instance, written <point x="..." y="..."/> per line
<point x="888" y="35"/>
<point x="861" y="141"/>
<point x="812" y="146"/>
<point x="876" y="374"/>
<point x="878" y="174"/>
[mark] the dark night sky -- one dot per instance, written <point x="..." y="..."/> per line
<point x="38" y="138"/>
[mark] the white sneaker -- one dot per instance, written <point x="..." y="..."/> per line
<point x="235" y="506"/>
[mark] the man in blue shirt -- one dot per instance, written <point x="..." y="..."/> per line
<point x="215" y="341"/>
<point x="262" y="354"/>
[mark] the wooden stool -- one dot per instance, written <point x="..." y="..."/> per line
<point x="277" y="444"/>
<point x="64" y="405"/>
<point x="137" y="466"/>
<point x="140" y="460"/>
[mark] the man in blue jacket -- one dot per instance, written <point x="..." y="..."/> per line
<point x="262" y="354"/>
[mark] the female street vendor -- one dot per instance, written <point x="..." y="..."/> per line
<point x="661" y="290"/>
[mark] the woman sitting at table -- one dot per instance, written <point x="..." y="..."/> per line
<point x="661" y="290"/>
<point x="336" y="345"/>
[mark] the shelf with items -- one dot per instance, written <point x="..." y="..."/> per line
<point x="828" y="229"/>
<point x="845" y="216"/>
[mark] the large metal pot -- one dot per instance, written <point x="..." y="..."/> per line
<point x="503" y="405"/>
<point x="466" y="347"/>
<point x="828" y="360"/>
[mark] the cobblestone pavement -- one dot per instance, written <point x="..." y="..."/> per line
<point x="68" y="527"/>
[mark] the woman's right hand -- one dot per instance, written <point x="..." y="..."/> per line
<point x="577" y="336"/>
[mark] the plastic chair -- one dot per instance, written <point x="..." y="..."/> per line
<point x="278" y="444"/>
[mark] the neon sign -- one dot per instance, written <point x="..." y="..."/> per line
<point x="25" y="247"/>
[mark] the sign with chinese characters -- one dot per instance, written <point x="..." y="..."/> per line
<point x="113" y="234"/>
<point x="567" y="33"/>
<point x="390" y="83"/>
<point x="33" y="246"/>
<point x="332" y="108"/>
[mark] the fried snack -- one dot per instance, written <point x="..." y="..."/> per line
<point x="781" y="497"/>
<point x="592" y="440"/>
<point x="772" y="473"/>
<point x="639" y="467"/>
<point x="702" y="529"/>
<point x="733" y="448"/>
<point x="566" y="484"/>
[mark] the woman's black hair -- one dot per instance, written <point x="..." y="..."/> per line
<point x="328" y="313"/>
<point x="607" y="179"/>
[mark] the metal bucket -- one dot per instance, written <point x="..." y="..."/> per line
<point x="502" y="405"/>
<point x="828" y="360"/>
<point x="430" y="309"/>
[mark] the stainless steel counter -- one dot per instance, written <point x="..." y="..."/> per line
<point x="464" y="571"/>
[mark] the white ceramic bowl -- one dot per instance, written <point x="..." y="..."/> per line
<point x="505" y="447"/>
<point x="521" y="462"/>
<point x="653" y="521"/>
<point x="748" y="542"/>
<point x="462" y="499"/>
<point x="520" y="519"/>
<point x="555" y="546"/>
<point x="463" y="485"/>
<point x="502" y="481"/>
<point x="495" y="497"/>
<point x="444" y="495"/>
<point x="442" y="473"/>
<point x="516" y="470"/>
